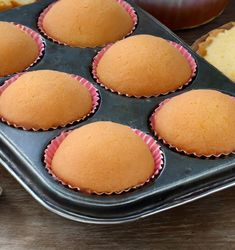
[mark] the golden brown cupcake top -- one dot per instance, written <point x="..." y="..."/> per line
<point x="87" y="23"/>
<point x="103" y="157"/>
<point x="198" y="121"/>
<point x="44" y="99"/>
<point x="143" y="65"/>
<point x="18" y="50"/>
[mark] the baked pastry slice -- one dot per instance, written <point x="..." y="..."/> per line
<point x="217" y="47"/>
<point x="8" y="4"/>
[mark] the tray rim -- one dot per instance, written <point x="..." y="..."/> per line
<point x="203" y="192"/>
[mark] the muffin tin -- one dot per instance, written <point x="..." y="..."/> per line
<point x="183" y="178"/>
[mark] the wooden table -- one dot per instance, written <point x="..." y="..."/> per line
<point x="205" y="224"/>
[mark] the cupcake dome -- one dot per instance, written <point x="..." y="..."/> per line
<point x="18" y="50"/>
<point x="87" y="23"/>
<point x="103" y="157"/>
<point x="200" y="122"/>
<point x="143" y="65"/>
<point x="44" y="99"/>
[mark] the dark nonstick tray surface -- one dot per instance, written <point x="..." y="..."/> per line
<point x="183" y="178"/>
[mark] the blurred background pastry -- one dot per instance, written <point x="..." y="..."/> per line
<point x="8" y="4"/>
<point x="217" y="47"/>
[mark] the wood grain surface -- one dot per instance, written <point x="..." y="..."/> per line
<point x="205" y="224"/>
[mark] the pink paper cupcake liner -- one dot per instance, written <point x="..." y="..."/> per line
<point x="37" y="38"/>
<point x="93" y="92"/>
<point x="182" y="50"/>
<point x="153" y="125"/>
<point x="151" y="143"/>
<point x="124" y="4"/>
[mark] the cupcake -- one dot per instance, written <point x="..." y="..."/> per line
<point x="143" y="65"/>
<point x="217" y="48"/>
<point x="87" y="23"/>
<point x="199" y="122"/>
<point x="45" y="99"/>
<point x="103" y="158"/>
<point x="18" y="49"/>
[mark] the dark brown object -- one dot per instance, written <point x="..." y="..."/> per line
<point x="184" y="13"/>
<point x="200" y="43"/>
<point x="206" y="224"/>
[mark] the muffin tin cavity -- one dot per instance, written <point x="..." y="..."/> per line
<point x="143" y="85"/>
<point x="121" y="16"/>
<point x="46" y="99"/>
<point x="193" y="123"/>
<point x="21" y="48"/>
<point x="135" y="141"/>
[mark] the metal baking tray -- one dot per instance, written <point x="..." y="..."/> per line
<point x="183" y="178"/>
